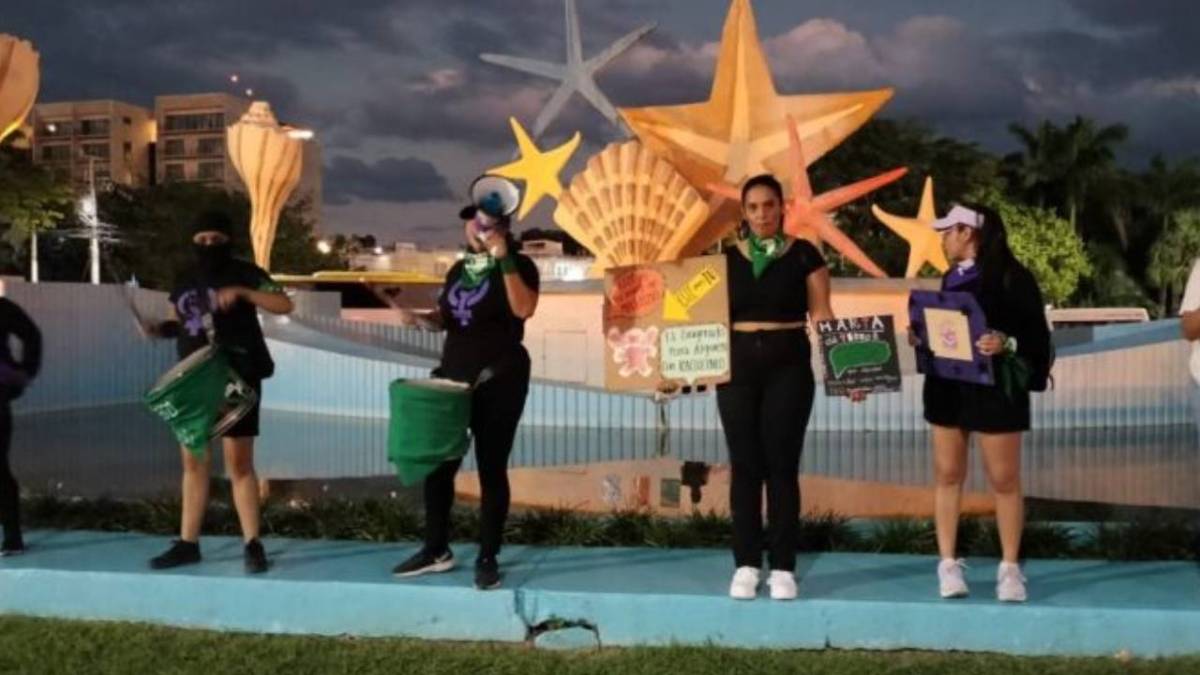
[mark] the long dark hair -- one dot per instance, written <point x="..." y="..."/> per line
<point x="761" y="180"/>
<point x="993" y="254"/>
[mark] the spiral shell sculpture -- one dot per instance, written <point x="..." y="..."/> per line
<point x="268" y="158"/>
<point x="19" y="77"/>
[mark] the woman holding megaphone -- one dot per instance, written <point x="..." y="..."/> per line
<point x="483" y="305"/>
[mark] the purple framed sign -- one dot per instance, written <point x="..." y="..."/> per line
<point x="948" y="325"/>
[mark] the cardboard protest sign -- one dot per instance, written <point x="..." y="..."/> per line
<point x="859" y="353"/>
<point x="666" y="322"/>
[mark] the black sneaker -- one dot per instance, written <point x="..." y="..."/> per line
<point x="11" y="548"/>
<point x="181" y="553"/>
<point x="487" y="573"/>
<point x="424" y="562"/>
<point x="255" y="557"/>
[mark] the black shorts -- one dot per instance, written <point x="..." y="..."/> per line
<point x="974" y="407"/>
<point x="247" y="427"/>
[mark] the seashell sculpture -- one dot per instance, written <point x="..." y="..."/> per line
<point x="19" y="77"/>
<point x="268" y="157"/>
<point x="629" y="206"/>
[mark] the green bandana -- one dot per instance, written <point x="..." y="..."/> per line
<point x="1012" y="374"/>
<point x="763" y="252"/>
<point x="476" y="268"/>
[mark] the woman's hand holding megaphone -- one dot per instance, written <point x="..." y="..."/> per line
<point x="496" y="244"/>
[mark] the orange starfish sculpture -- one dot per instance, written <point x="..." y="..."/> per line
<point x="807" y="217"/>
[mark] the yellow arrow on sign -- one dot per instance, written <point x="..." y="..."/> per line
<point x="677" y="303"/>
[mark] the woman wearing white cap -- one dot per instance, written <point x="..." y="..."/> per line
<point x="1018" y="342"/>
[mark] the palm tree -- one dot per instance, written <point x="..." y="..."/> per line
<point x="1172" y="256"/>
<point x="1035" y="167"/>
<point x="1167" y="189"/>
<point x="1089" y="156"/>
<point x="1067" y="161"/>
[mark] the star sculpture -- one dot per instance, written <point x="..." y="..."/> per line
<point x="807" y="217"/>
<point x="538" y="169"/>
<point x="576" y="75"/>
<point x="741" y="130"/>
<point x="925" y="244"/>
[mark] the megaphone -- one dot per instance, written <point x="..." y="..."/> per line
<point x="495" y="196"/>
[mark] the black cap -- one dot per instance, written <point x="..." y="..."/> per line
<point x="213" y="221"/>
<point x="468" y="213"/>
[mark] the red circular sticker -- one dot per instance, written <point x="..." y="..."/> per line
<point x="634" y="293"/>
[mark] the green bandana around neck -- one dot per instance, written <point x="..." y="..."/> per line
<point x="476" y="268"/>
<point x="764" y="251"/>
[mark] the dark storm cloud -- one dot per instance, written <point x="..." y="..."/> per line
<point x="134" y="50"/>
<point x="388" y="180"/>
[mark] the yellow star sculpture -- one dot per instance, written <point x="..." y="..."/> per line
<point x="925" y="244"/>
<point x="538" y="169"/>
<point x="742" y="129"/>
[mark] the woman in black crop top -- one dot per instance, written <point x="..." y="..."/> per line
<point x="483" y="305"/>
<point x="1018" y="340"/>
<point x="776" y="285"/>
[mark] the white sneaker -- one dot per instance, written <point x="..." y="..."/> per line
<point x="950" y="578"/>
<point x="745" y="584"/>
<point x="1010" y="583"/>
<point x="782" y="584"/>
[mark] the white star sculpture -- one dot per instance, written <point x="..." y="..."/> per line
<point x="576" y="75"/>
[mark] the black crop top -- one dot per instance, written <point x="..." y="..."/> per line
<point x="781" y="293"/>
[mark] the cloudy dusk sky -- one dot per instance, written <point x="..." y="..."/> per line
<point x="408" y="114"/>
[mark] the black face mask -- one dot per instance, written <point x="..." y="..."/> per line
<point x="212" y="257"/>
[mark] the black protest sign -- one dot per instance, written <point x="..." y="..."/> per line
<point x="859" y="353"/>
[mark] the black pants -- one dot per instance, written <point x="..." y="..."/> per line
<point x="764" y="412"/>
<point x="10" y="497"/>
<point x="496" y="409"/>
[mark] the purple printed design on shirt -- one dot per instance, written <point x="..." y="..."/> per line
<point x="192" y="306"/>
<point x="463" y="300"/>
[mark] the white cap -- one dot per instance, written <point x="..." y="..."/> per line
<point x="959" y="215"/>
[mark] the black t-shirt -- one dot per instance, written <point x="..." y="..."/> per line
<point x="781" y="293"/>
<point x="481" y="329"/>
<point x="238" y="330"/>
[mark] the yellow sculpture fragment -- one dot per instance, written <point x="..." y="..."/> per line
<point x="19" y="79"/>
<point x="538" y="169"/>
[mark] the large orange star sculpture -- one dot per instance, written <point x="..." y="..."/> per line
<point x="741" y="130"/>
<point x="807" y="217"/>
<point x="925" y="244"/>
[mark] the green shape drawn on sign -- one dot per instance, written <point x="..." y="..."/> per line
<point x="849" y="355"/>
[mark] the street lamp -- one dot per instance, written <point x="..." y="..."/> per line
<point x="324" y="247"/>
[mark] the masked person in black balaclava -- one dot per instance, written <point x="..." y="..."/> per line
<point x="223" y="293"/>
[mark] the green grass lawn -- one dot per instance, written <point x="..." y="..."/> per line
<point x="31" y="646"/>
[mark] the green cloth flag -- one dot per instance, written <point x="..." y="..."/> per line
<point x="1013" y="374"/>
<point x="428" y="426"/>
